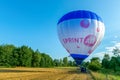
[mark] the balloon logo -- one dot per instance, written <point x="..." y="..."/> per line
<point x="84" y="23"/>
<point x="80" y="32"/>
<point x="90" y="40"/>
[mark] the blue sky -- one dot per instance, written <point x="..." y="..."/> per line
<point x="34" y="23"/>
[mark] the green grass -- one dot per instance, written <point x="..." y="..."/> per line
<point x="102" y="76"/>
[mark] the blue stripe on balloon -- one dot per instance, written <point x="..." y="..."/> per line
<point x="80" y="14"/>
<point x="78" y="58"/>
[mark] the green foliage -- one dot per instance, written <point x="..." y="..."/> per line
<point x="65" y="61"/>
<point x="6" y="54"/>
<point x="61" y="63"/>
<point x="110" y="65"/>
<point x="85" y="64"/>
<point x="57" y="62"/>
<point x="116" y="52"/>
<point x="95" y="67"/>
<point x="36" y="58"/>
<point x="46" y="60"/>
<point x="24" y="56"/>
<point x="95" y="64"/>
<point x="106" y="61"/>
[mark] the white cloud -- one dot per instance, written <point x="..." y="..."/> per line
<point x="101" y="54"/>
<point x="117" y="45"/>
<point x="114" y="42"/>
<point x="110" y="49"/>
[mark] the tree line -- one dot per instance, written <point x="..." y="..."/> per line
<point x="24" y="56"/>
<point x="107" y="64"/>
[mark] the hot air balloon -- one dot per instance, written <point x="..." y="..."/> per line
<point x="80" y="32"/>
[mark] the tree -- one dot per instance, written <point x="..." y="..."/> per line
<point x="36" y="58"/>
<point x="95" y="59"/>
<point x="46" y="60"/>
<point x="25" y="56"/>
<point x="6" y="54"/>
<point x="95" y="64"/>
<point x="65" y="61"/>
<point x="113" y="64"/>
<point x="49" y="61"/>
<point x="22" y="56"/>
<point x="116" y="60"/>
<point x="106" y="61"/>
<point x="85" y="64"/>
<point x="15" y="57"/>
<point x="42" y="62"/>
<point x="116" y="52"/>
<point x="70" y="63"/>
<point x="56" y="62"/>
<point x="60" y="62"/>
<point x="2" y="56"/>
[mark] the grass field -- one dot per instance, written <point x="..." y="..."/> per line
<point x="101" y="76"/>
<point x="42" y="74"/>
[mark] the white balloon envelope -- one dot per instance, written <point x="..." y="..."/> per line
<point x="80" y="32"/>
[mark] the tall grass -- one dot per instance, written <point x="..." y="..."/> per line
<point x="101" y="76"/>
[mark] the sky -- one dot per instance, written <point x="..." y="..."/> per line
<point x="34" y="23"/>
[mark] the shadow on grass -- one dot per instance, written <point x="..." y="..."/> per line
<point x="77" y="71"/>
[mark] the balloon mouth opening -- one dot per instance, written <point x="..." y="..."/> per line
<point x="78" y="58"/>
